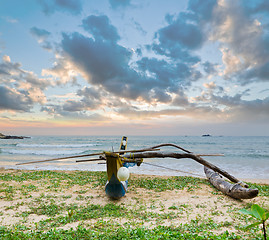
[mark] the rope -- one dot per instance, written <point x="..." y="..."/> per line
<point x="174" y="169"/>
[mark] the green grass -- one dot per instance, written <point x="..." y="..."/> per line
<point x="40" y="193"/>
<point x="162" y="184"/>
<point x="55" y="177"/>
<point x="106" y="231"/>
<point x="61" y="180"/>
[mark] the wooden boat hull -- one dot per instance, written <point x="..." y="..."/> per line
<point x="233" y="190"/>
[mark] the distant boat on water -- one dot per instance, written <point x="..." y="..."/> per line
<point x="206" y="135"/>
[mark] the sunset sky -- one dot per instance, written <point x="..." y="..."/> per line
<point x="134" y="67"/>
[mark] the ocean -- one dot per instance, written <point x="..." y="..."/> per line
<point x="244" y="157"/>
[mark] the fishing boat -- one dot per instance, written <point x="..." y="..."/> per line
<point x="117" y="164"/>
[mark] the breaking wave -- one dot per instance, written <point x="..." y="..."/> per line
<point x="56" y="146"/>
<point x="44" y="152"/>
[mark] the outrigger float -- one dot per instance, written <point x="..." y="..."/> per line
<point x="118" y="174"/>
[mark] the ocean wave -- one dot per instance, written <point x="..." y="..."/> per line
<point x="257" y="155"/>
<point x="57" y="146"/>
<point x="8" y="145"/>
<point x="43" y="152"/>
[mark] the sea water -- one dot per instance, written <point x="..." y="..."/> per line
<point x="244" y="157"/>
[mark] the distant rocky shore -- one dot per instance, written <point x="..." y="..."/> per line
<point x="2" y="136"/>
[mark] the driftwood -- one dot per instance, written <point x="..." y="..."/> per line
<point x="233" y="190"/>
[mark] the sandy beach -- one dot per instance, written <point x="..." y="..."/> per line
<point x="260" y="181"/>
<point x="37" y="199"/>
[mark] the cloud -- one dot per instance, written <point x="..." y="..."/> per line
<point x="261" y="6"/>
<point x="100" y="60"/>
<point x="14" y="100"/>
<point x="6" y="59"/>
<point x="42" y="35"/>
<point x="194" y="112"/>
<point x="164" y="79"/>
<point x="176" y="40"/>
<point x="239" y="110"/>
<point x="210" y="85"/>
<point x="235" y="25"/>
<point x="63" y="71"/>
<point x="73" y="106"/>
<point x="91" y="97"/>
<point x="9" y="19"/>
<point x="61" y="113"/>
<point x="20" y="89"/>
<point x="115" y="4"/>
<point x="201" y="9"/>
<point x="184" y="33"/>
<point x="244" y="41"/>
<point x="255" y="110"/>
<point x="208" y="106"/>
<point x="169" y="75"/>
<point x="91" y="100"/>
<point x="180" y="100"/>
<point x="100" y="28"/>
<point x="103" y="62"/>
<point x="180" y="33"/>
<point x="232" y="108"/>
<point x="138" y="27"/>
<point x="14" y="75"/>
<point x="106" y="64"/>
<point x="210" y="68"/>
<point x="83" y="104"/>
<point x="71" y="6"/>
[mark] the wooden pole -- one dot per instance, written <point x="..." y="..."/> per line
<point x="62" y="158"/>
<point x="91" y="160"/>
<point x="86" y="155"/>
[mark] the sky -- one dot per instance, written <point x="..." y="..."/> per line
<point x="134" y="67"/>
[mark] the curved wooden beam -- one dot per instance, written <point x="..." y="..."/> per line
<point x="170" y="145"/>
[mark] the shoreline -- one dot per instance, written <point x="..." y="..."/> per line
<point x="250" y="180"/>
<point x="257" y="180"/>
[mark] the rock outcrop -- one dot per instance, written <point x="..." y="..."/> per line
<point x="2" y="136"/>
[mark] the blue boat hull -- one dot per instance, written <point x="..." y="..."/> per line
<point x="115" y="188"/>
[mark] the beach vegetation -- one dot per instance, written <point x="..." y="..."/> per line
<point x="73" y="205"/>
<point x="260" y="214"/>
<point x="159" y="184"/>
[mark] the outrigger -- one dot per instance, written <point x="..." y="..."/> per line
<point x="117" y="164"/>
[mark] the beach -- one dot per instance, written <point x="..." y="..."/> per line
<point x="69" y="201"/>
<point x="168" y="97"/>
<point x="166" y="197"/>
